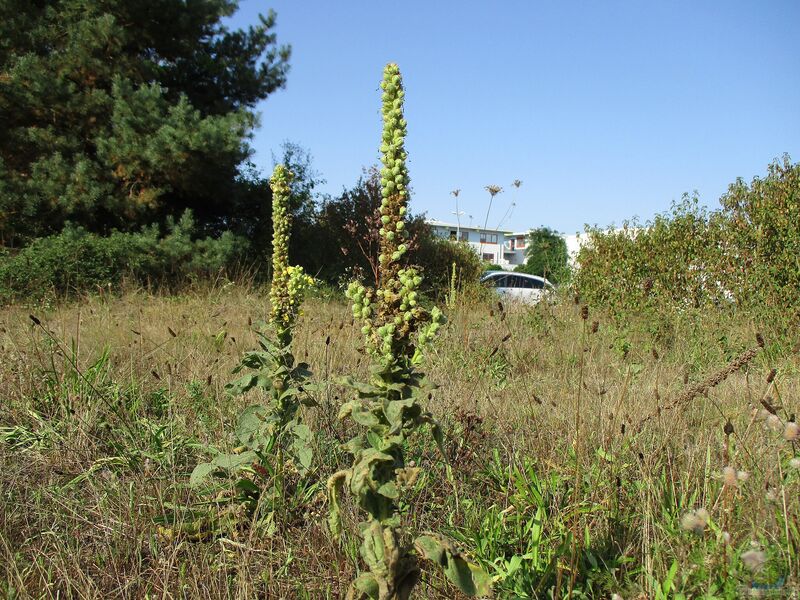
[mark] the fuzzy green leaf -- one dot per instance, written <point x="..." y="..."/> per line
<point x="305" y="456"/>
<point x="365" y="587"/>
<point x="389" y="489"/>
<point x="335" y="486"/>
<point x="364" y="389"/>
<point x="241" y="385"/>
<point x="302" y="446"/>
<point x="468" y="577"/>
<point x="375" y="441"/>
<point x="399" y="411"/>
<point x="359" y="413"/>
<point x="362" y="478"/>
<point x="248" y="487"/>
<point x="201" y="473"/>
<point x="234" y="461"/>
<point x="250" y="424"/>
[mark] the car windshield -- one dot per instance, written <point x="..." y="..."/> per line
<point x="516" y="281"/>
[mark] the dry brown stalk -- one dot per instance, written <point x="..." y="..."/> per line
<point x="701" y="389"/>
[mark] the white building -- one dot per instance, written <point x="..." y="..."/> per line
<point x="497" y="246"/>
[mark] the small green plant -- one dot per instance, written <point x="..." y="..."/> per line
<point x="452" y="295"/>
<point x="389" y="407"/>
<point x="272" y="435"/>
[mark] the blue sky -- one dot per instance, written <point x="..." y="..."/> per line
<point x="604" y="110"/>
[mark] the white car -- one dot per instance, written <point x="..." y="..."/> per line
<point x="519" y="287"/>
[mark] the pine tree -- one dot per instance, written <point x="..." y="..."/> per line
<point x="116" y="113"/>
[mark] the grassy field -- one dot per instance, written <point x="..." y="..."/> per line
<point x="588" y="456"/>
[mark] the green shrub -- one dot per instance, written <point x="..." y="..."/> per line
<point x="436" y="256"/>
<point x="76" y="260"/>
<point x="760" y="264"/>
<point x="546" y="255"/>
<point x="667" y="260"/>
<point x="743" y="255"/>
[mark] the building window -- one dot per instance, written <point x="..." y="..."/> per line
<point x="465" y="236"/>
<point x="520" y="241"/>
<point x="453" y="235"/>
<point x="488" y="257"/>
<point x="488" y="238"/>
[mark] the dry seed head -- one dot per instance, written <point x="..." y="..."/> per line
<point x="595" y="326"/>
<point x="742" y="476"/>
<point x="774" y="422"/>
<point x="729" y="476"/>
<point x="695" y="521"/>
<point x="771" y="376"/>
<point x="791" y="433"/>
<point x="760" y="339"/>
<point x="754" y="559"/>
<point x="795" y="463"/>
<point x="493" y="190"/>
<point x="584" y="312"/>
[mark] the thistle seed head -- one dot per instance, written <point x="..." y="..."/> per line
<point x="695" y="521"/>
<point x="754" y="559"/>
<point x="774" y="422"/>
<point x="729" y="476"/>
<point x="791" y="433"/>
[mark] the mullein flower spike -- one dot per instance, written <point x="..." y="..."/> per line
<point x="394" y="324"/>
<point x="289" y="283"/>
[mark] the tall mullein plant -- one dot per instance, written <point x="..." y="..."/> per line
<point x="271" y="434"/>
<point x="273" y="368"/>
<point x="288" y="287"/>
<point x="388" y="408"/>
